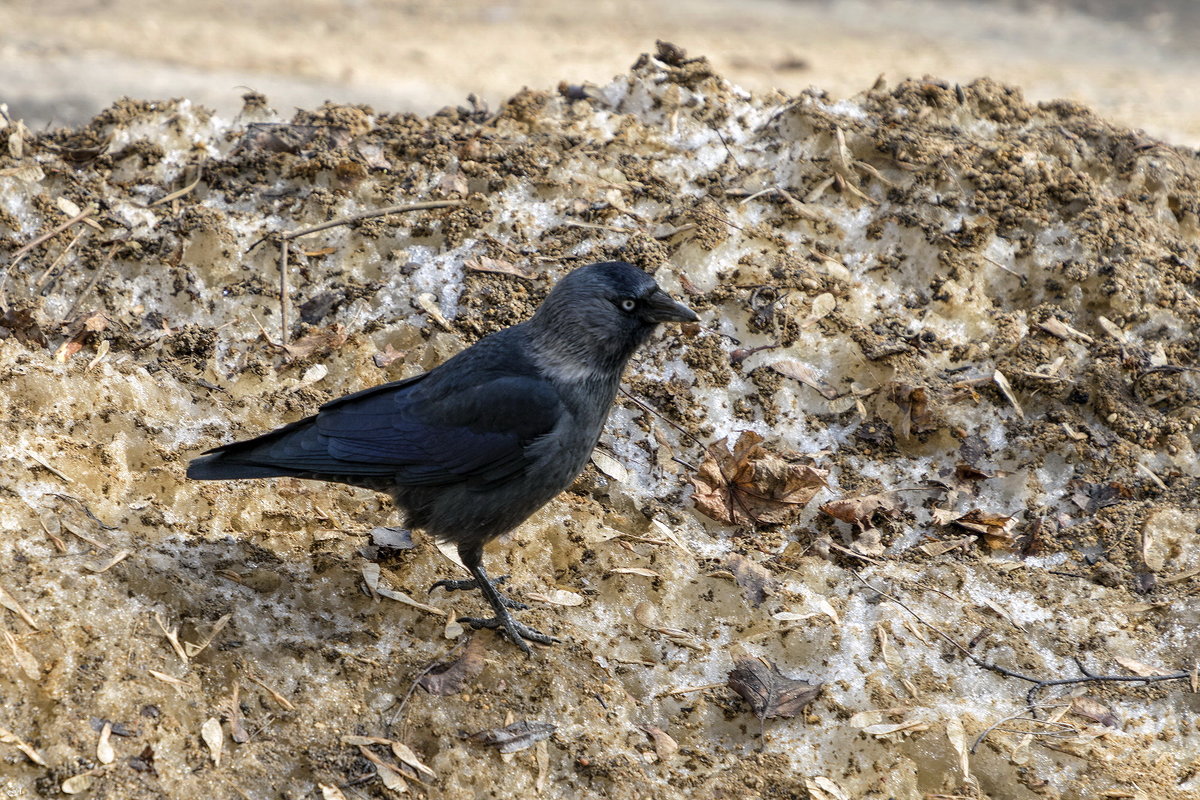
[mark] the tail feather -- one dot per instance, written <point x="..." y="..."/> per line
<point x="217" y="467"/>
<point x="252" y="458"/>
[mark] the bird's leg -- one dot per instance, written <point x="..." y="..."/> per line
<point x="517" y="633"/>
<point x="472" y="583"/>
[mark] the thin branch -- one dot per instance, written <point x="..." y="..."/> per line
<point x="380" y="212"/>
<point x="284" y="300"/>
<point x="24" y="251"/>
<point x="1038" y="683"/>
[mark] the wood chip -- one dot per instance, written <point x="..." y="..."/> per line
<point x="1007" y="390"/>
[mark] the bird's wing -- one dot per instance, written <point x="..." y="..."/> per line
<point x="446" y="434"/>
<point x="424" y="433"/>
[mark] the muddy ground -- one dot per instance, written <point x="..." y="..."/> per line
<point x="976" y="314"/>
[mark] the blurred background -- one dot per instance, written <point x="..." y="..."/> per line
<point x="61" y="61"/>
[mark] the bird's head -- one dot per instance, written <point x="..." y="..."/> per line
<point x="595" y="317"/>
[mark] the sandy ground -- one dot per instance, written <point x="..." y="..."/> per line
<point x="63" y="60"/>
<point x="976" y="313"/>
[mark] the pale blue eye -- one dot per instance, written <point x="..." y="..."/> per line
<point x="628" y="305"/>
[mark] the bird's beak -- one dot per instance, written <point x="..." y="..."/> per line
<point x="661" y="307"/>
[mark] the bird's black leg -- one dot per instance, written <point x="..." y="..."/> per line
<point x="503" y="621"/>
<point x="471" y="583"/>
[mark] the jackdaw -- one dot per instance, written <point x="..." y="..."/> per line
<point x="471" y="448"/>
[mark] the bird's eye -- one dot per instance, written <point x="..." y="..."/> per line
<point x="627" y="305"/>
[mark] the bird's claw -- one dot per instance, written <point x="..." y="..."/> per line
<point x="515" y="631"/>
<point x="470" y="583"/>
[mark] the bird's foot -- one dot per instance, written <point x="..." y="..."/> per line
<point x="515" y="631"/>
<point x="471" y="583"/>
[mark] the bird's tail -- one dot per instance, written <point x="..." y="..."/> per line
<point x="271" y="455"/>
<point x="217" y="466"/>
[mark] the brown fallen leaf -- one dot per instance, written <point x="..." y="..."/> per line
<point x="1138" y="668"/>
<point x="664" y="745"/>
<point x="452" y="678"/>
<point x="756" y="580"/>
<point x="514" y="737"/>
<point x="750" y="485"/>
<point x="996" y="530"/>
<point x="790" y="368"/>
<point x="769" y="693"/>
<point x="22" y="324"/>
<point x="1092" y="709"/>
<point x="79" y="331"/>
<point x="485" y="264"/>
<point x="913" y="402"/>
<point x="320" y="341"/>
<point x="387" y="355"/>
<point x="861" y="509"/>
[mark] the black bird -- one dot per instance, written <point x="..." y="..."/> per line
<point x="471" y="448"/>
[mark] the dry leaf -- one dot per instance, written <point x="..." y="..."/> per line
<point x="371" y="574"/>
<point x="387" y="355"/>
<point x="1094" y="710"/>
<point x="645" y="573"/>
<point x="429" y="305"/>
<point x="104" y="749"/>
<point x="79" y="331"/>
<point x="860" y="510"/>
<point x="8" y="737"/>
<point x="330" y="792"/>
<point x="756" y="580"/>
<point x="407" y="756"/>
<point x="451" y="678"/>
<point x="995" y="529"/>
<point x="610" y="466"/>
<point x="77" y="783"/>
<point x="790" y="368"/>
<point x="25" y="660"/>
<point x="559" y="597"/>
<point x="391" y="778"/>
<point x="485" y="264"/>
<point x="822" y="788"/>
<point x="750" y="485"/>
<point x="664" y="745"/>
<point x="10" y="602"/>
<point x="514" y="737"/>
<point x="913" y="402"/>
<point x="214" y="737"/>
<point x="822" y="306"/>
<point x="1138" y="668"/>
<point x="321" y="341"/>
<point x="769" y="693"/>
